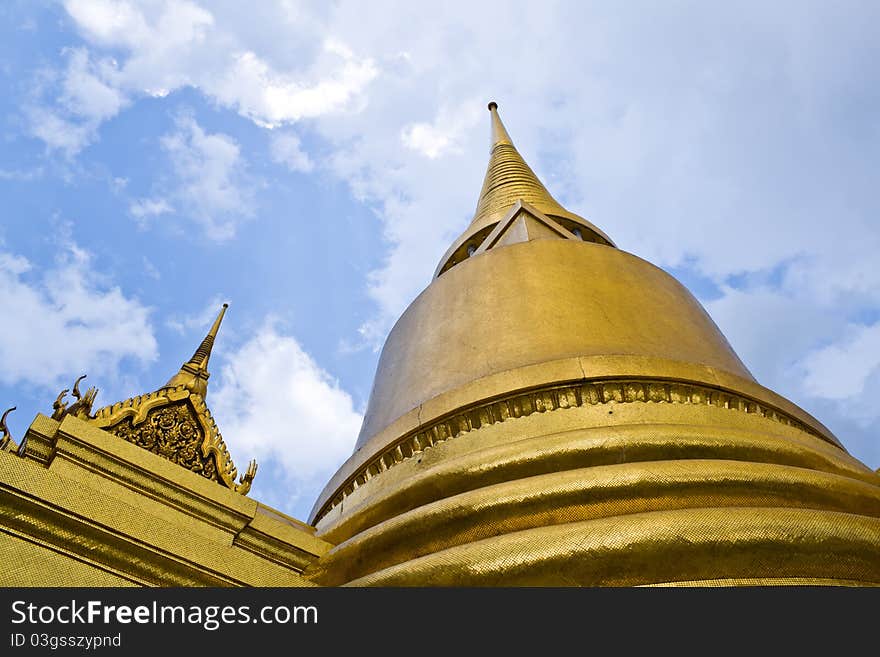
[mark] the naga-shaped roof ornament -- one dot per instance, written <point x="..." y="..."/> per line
<point x="7" y="443"/>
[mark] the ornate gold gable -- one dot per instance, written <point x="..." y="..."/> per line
<point x="176" y="424"/>
<point x="172" y="422"/>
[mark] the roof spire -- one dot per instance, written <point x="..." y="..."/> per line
<point x="508" y="180"/>
<point x="194" y="373"/>
<point x="499" y="133"/>
<point x="203" y="353"/>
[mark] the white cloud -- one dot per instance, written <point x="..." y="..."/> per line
<point x="210" y="177"/>
<point x="841" y="379"/>
<point x="444" y="135"/>
<point x="197" y="321"/>
<point x="21" y="175"/>
<point x="124" y="24"/>
<point x="57" y="132"/>
<point x="271" y="98"/>
<point x="86" y="97"/>
<point x="838" y="371"/>
<point x="85" y="92"/>
<point x="275" y="403"/>
<point x="149" y="207"/>
<point x="801" y="346"/>
<point x="173" y="44"/>
<point x="13" y="265"/>
<point x="150" y="269"/>
<point x="426" y="139"/>
<point x="65" y="321"/>
<point x="770" y="330"/>
<point x="108" y="22"/>
<point x="286" y="149"/>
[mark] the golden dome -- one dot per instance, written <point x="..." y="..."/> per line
<point x="552" y="410"/>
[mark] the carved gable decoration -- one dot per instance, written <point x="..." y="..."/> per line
<point x="174" y="423"/>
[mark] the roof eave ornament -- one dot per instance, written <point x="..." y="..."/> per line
<point x="7" y="443"/>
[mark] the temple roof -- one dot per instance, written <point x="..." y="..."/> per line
<point x="174" y="421"/>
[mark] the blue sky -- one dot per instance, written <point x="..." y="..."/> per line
<point x="310" y="162"/>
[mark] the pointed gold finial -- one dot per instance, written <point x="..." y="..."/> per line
<point x="509" y="180"/>
<point x="499" y="132"/>
<point x="194" y="373"/>
<point x="203" y="353"/>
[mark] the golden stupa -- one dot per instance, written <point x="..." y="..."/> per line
<point x="551" y="410"/>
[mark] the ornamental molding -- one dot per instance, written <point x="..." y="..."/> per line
<point x="551" y="398"/>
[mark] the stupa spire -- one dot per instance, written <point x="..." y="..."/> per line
<point x="194" y="373"/>
<point x="499" y="132"/>
<point x="509" y="180"/>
